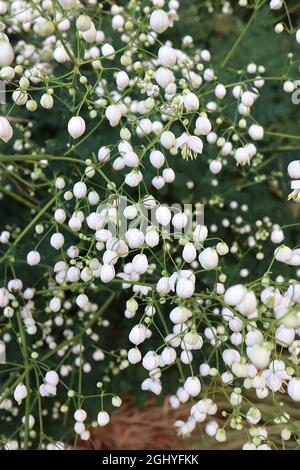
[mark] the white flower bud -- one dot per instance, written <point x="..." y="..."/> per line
<point x="76" y="127"/>
<point x="83" y="23"/>
<point x="33" y="258"/>
<point x="294" y="169"/>
<point x="211" y="428"/>
<point x="52" y="378"/>
<point x="192" y="386"/>
<point x="103" y="418"/>
<point x="20" y="393"/>
<point x="163" y="215"/>
<point x="122" y="80"/>
<point x="222" y="248"/>
<point x="283" y="254"/>
<point x="189" y="253"/>
<point x="80" y="415"/>
<point x="294" y="389"/>
<point x="82" y="300"/>
<point x="179" y="221"/>
<point x="191" y="102"/>
<point x="179" y="315"/>
<point x="60" y="55"/>
<point x="284" y="336"/>
<point x="168" y="175"/>
<point x="164" y="77"/>
<point x="276" y="4"/>
<point x="167" y="56"/>
<point x="200" y="233"/>
<point x="157" y="159"/>
<point x="163" y="286"/>
<point x="138" y="334"/>
<point x="55" y="304"/>
<point x="152" y="237"/>
<point x="108" y="51"/>
<point x="185" y="288"/>
<point x="215" y="166"/>
<point x="60" y="216"/>
<point x="140" y="264"/>
<point x="277" y="236"/>
<point x="168" y="355"/>
<point x="79" y="190"/>
<point x="68" y="4"/>
<point x="235" y="294"/>
<point x="220" y="91"/>
<point x="57" y="240"/>
<point x="256" y="132"/>
<point x="90" y="35"/>
<point x="259" y="356"/>
<point x="113" y="114"/>
<point x="6" y="51"/>
<point x="253" y="416"/>
<point x="203" y="125"/>
<point x="7" y="73"/>
<point x="134" y="355"/>
<point x="209" y="258"/>
<point x="107" y="273"/>
<point x="103" y="154"/>
<point x="46" y="101"/>
<point x="150" y="361"/>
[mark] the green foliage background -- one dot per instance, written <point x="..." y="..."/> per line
<point x="273" y="110"/>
